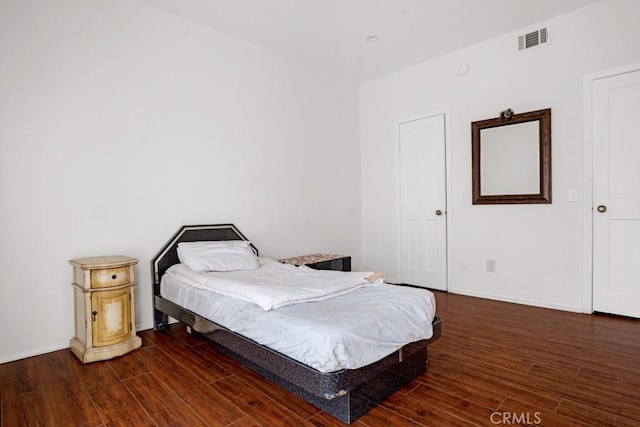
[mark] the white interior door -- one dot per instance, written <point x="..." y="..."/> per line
<point x="423" y="203"/>
<point x="616" y="194"/>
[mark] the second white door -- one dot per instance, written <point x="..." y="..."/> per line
<point x="423" y="202"/>
<point x="616" y="194"/>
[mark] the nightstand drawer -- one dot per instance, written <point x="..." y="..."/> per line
<point x="110" y="277"/>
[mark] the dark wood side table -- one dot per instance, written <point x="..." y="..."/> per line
<point x="321" y="261"/>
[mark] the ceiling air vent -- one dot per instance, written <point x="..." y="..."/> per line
<point x="532" y="39"/>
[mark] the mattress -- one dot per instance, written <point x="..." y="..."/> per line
<point x="348" y="331"/>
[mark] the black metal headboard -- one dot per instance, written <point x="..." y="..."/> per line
<point x="168" y="255"/>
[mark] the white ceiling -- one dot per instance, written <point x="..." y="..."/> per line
<point x="331" y="34"/>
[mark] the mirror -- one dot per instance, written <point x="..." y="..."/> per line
<point x="511" y="158"/>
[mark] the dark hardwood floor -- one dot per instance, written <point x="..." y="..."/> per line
<point x="496" y="364"/>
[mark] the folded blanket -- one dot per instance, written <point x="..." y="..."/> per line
<point x="276" y="285"/>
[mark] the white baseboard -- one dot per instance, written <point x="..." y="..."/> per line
<point x="534" y="303"/>
<point x="32" y="352"/>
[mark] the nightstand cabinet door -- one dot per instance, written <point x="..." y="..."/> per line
<point x="110" y="316"/>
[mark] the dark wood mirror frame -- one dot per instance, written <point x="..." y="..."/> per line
<point x="544" y="195"/>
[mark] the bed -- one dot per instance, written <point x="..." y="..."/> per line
<point x="342" y="390"/>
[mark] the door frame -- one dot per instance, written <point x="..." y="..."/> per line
<point x="447" y="149"/>
<point x="587" y="83"/>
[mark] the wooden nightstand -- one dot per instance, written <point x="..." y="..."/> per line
<point x="104" y="301"/>
<point x="321" y="261"/>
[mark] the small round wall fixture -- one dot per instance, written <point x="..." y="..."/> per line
<point x="372" y="38"/>
<point x="462" y="69"/>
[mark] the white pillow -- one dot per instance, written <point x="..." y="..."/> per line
<point x="217" y="243"/>
<point x="229" y="255"/>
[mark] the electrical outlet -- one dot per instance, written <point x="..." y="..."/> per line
<point x="491" y="265"/>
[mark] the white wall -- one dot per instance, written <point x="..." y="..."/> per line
<point x="538" y="249"/>
<point x="119" y="123"/>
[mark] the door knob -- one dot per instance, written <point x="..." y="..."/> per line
<point x="602" y="208"/>
<point x="438" y="212"/>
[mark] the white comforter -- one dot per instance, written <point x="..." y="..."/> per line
<point x="346" y="332"/>
<point x="275" y="285"/>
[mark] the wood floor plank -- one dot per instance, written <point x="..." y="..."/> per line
<point x="228" y="363"/>
<point x="429" y="412"/>
<point x="147" y="337"/>
<point x="609" y="373"/>
<point x="128" y="366"/>
<point x="179" y="331"/>
<point x="471" y="393"/>
<point x="381" y="416"/>
<point x="105" y="388"/>
<point x="161" y="403"/>
<point x="593" y="416"/>
<point x="54" y="367"/>
<point x="71" y="410"/>
<point x="505" y="345"/>
<point x="280" y="395"/>
<point x="322" y="419"/>
<point x="491" y="378"/>
<point x="26" y="410"/>
<point x="245" y="422"/>
<point x="203" y="367"/>
<point x="489" y="355"/>
<point x="274" y="391"/>
<point x="512" y="412"/>
<point x="458" y="406"/>
<point x="68" y="399"/>
<point x="20" y="377"/>
<point x="618" y="400"/>
<point x="210" y="405"/>
<point x="264" y="410"/>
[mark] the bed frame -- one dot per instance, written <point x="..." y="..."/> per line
<point x="345" y="394"/>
